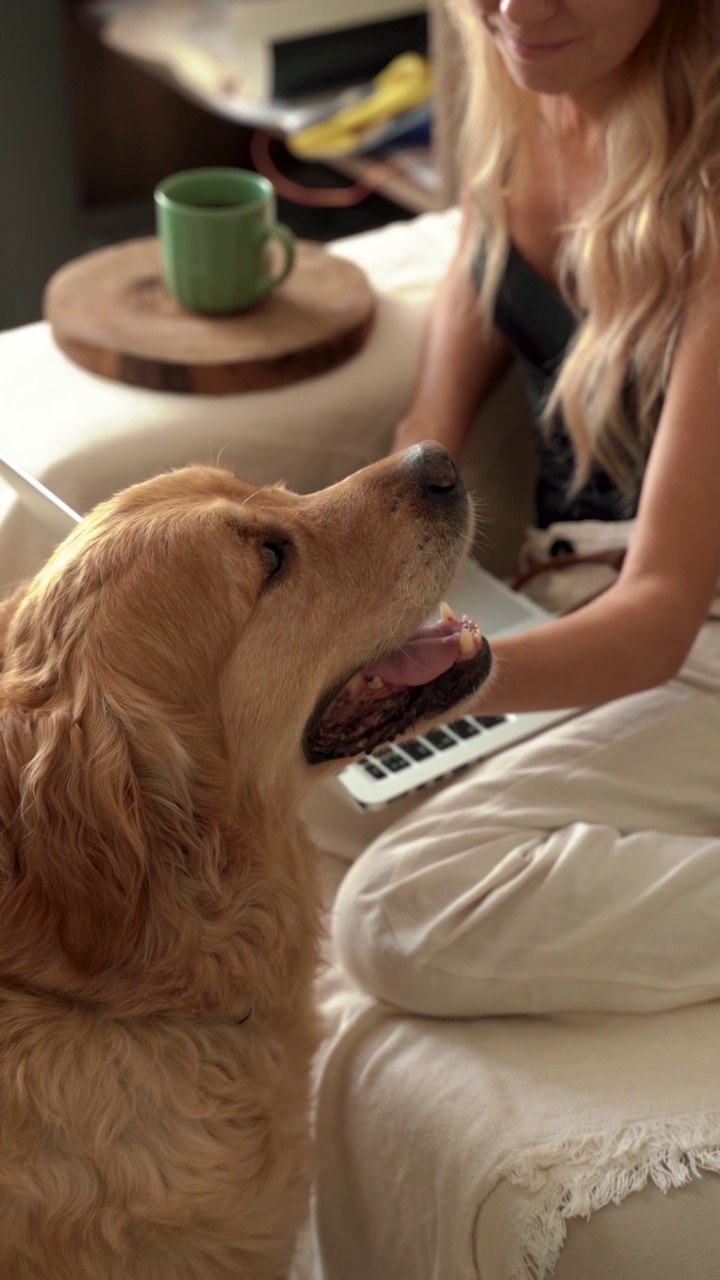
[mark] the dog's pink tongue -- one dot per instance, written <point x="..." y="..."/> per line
<point x="425" y="656"/>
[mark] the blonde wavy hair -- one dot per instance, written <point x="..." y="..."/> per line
<point x="637" y="249"/>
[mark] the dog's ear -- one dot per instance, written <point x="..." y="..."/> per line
<point x="78" y="844"/>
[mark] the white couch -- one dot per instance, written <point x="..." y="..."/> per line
<point x="409" y="1186"/>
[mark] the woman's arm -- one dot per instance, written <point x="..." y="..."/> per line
<point x="639" y="632"/>
<point x="462" y="359"/>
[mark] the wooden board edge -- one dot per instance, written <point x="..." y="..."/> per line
<point x="219" y="379"/>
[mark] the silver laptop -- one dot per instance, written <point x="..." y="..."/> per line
<point x="396" y="771"/>
<point x="56" y="516"/>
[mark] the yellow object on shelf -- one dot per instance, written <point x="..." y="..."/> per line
<point x="404" y="84"/>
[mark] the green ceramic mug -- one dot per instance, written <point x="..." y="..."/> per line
<point x="216" y="229"/>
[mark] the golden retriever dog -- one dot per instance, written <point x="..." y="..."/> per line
<point x="188" y="662"/>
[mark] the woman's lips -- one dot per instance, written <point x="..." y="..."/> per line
<point x="529" y="51"/>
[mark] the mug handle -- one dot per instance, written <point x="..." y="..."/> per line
<point x="278" y="232"/>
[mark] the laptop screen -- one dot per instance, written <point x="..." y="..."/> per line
<point x="54" y="514"/>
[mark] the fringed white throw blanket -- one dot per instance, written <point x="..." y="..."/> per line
<point x="420" y="1119"/>
<point x="586" y="1174"/>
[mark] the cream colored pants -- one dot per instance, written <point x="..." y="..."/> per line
<point x="578" y="871"/>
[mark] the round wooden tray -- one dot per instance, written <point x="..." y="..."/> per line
<point x="110" y="312"/>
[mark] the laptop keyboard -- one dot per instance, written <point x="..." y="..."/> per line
<point x="394" y="759"/>
<point x="394" y="771"/>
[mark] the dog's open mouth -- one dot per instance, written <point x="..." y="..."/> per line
<point x="430" y="672"/>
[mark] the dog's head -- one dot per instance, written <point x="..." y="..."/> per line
<point x="198" y="644"/>
<point x="328" y="662"/>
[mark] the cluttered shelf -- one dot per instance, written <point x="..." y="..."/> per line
<point x="350" y="86"/>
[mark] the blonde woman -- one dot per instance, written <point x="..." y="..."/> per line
<point x="582" y="870"/>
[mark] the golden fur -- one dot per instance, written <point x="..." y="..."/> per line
<point x="156" y="884"/>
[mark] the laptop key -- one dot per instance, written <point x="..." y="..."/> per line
<point x="441" y="739"/>
<point x="393" y="761"/>
<point x="489" y="722"/>
<point x="374" y="770"/>
<point x="465" y="728"/>
<point x="417" y="749"/>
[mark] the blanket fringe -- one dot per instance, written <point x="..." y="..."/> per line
<point x="576" y="1179"/>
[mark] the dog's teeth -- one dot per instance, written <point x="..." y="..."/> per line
<point x="467" y="644"/>
<point x="353" y="685"/>
<point x="376" y="683"/>
<point x="446" y="612"/>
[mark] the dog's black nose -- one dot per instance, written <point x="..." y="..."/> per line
<point x="435" y="470"/>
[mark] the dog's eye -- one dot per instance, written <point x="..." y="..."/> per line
<point x="273" y="554"/>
